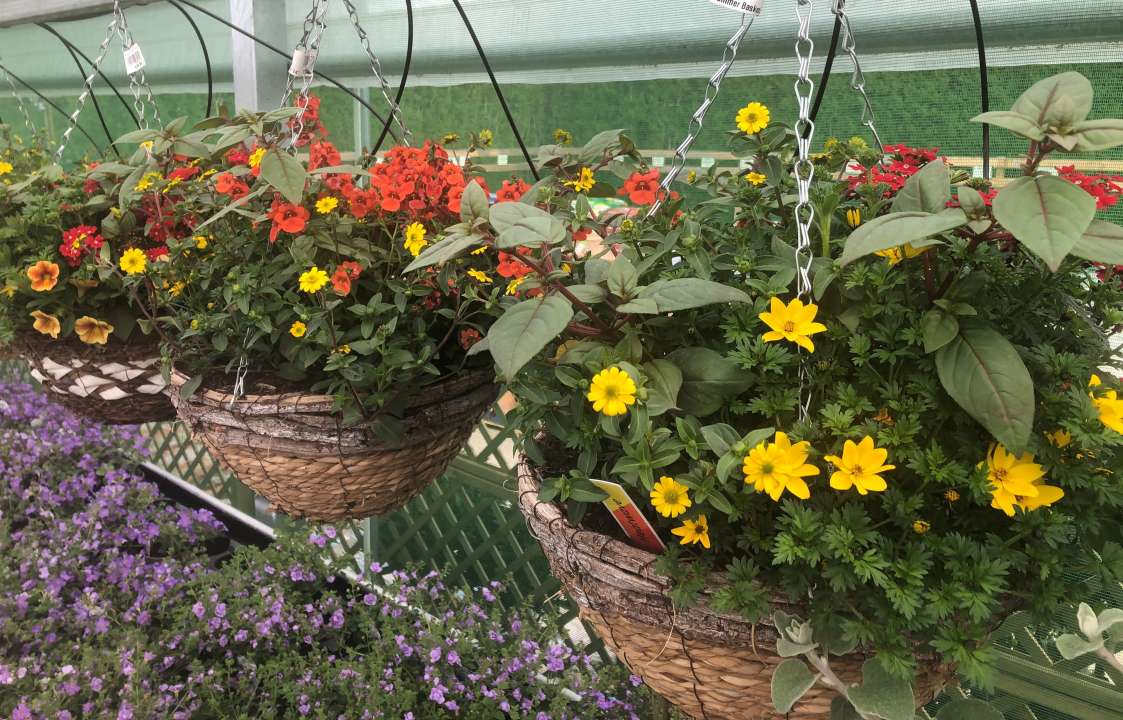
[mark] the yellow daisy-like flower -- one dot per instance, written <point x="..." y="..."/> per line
<point x="486" y="137"/>
<point x="46" y="324"/>
<point x="1016" y="482"/>
<point x="480" y="250"/>
<point x="897" y="254"/>
<point x="147" y="145"/>
<point x="860" y="467"/>
<point x="255" y="157"/>
<point x="951" y="495"/>
<point x="921" y="526"/>
<point x="694" y="531"/>
<point x="450" y="138"/>
<point x="563" y="137"/>
<point x="326" y="204"/>
<point x="91" y="330"/>
<point x="670" y="498"/>
<point x="854" y="217"/>
<point x="297" y="329"/>
<point x="171" y="184"/>
<point x="147" y="180"/>
<point x="313" y="281"/>
<point x="513" y="286"/>
<point x="793" y="322"/>
<point x="584" y="182"/>
<point x="177" y="288"/>
<point x="779" y="466"/>
<point x="1110" y="406"/>
<point x="5" y="167"/>
<point x="692" y="177"/>
<point x="1094" y="381"/>
<point x="1059" y="438"/>
<point x="612" y="391"/>
<point x="479" y="275"/>
<point x="756" y="179"/>
<point x="201" y="242"/>
<point x="343" y="349"/>
<point x="415" y="238"/>
<point x="753" y="118"/>
<point x="133" y="261"/>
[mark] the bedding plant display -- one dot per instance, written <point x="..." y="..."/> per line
<point x="963" y="438"/>
<point x="79" y="306"/>
<point x="326" y="380"/>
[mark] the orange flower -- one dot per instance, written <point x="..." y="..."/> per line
<point x="229" y="184"/>
<point x="46" y="324"/>
<point x="288" y="217"/>
<point x="91" y="330"/>
<point x="341" y="281"/>
<point x="511" y="191"/>
<point x="43" y="276"/>
<point x="642" y="188"/>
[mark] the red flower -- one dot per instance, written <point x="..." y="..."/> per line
<point x="362" y="201"/>
<point x="510" y="266"/>
<point x="352" y="268"/>
<point x="642" y="188"/>
<point x="228" y="184"/>
<point x="904" y="163"/>
<point x="78" y="241"/>
<point x="1106" y="189"/>
<point x="287" y="217"/>
<point x="237" y="156"/>
<point x="184" y="173"/>
<point x="341" y="281"/>
<point x="469" y="337"/>
<point x="323" y="154"/>
<point x="391" y="196"/>
<point x="156" y="253"/>
<point x="511" y="191"/>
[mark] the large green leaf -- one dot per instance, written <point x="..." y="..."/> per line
<point x="521" y="332"/>
<point x="442" y="251"/>
<point x="664" y="380"/>
<point x="969" y="709"/>
<point x="1057" y="101"/>
<point x="939" y="327"/>
<point x="882" y="695"/>
<point x="896" y="229"/>
<point x="1096" y="135"/>
<point x="1046" y="214"/>
<point x="927" y="191"/>
<point x="982" y="372"/>
<point x="841" y="709"/>
<point x="520" y="224"/>
<point x="473" y="203"/>
<point x="790" y="681"/>
<point x="1023" y="125"/>
<point x="285" y="173"/>
<point x="686" y="293"/>
<point x="1101" y="242"/>
<point x="709" y="380"/>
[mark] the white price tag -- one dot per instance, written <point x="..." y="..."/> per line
<point x="746" y="6"/>
<point x="134" y="59"/>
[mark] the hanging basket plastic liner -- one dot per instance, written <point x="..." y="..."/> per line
<point x="290" y="448"/>
<point x="708" y="664"/>
<point x="118" y="384"/>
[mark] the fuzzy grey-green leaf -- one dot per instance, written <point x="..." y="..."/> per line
<point x="1014" y="122"/>
<point x="927" y="191"/>
<point x="1047" y="214"/>
<point x="285" y="173"/>
<point x="790" y="681"/>
<point x="969" y="709"/>
<point x="1101" y="242"/>
<point x="687" y="293"/>
<point x="882" y="695"/>
<point x="896" y="229"/>
<point x="524" y="329"/>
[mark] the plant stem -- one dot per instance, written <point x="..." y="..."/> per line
<point x="1109" y="657"/>
<point x="583" y="307"/>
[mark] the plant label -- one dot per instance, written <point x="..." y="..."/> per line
<point x="630" y="518"/>
<point x="134" y="59"/>
<point x="753" y="7"/>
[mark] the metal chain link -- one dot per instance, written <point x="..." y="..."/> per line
<point x="87" y="87"/>
<point x="858" y="78"/>
<point x="699" y="116"/>
<point x="137" y="81"/>
<point x="19" y="100"/>
<point x="376" y="68"/>
<point x="804" y="171"/>
<point x="304" y="64"/>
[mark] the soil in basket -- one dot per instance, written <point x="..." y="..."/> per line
<point x="138" y="347"/>
<point x="560" y="461"/>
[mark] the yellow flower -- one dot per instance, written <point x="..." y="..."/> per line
<point x="486" y="138"/>
<point x="133" y="261"/>
<point x="563" y="137"/>
<point x="201" y="242"/>
<point x="1059" y="438"/>
<point x="921" y="526"/>
<point x="255" y="157"/>
<point x="177" y="288"/>
<point x="1110" y="406"/>
<point x="5" y="167"/>
<point x="951" y="495"/>
<point x="753" y="118"/>
<point x="480" y="250"/>
<point x="415" y="239"/>
<point x="297" y="329"/>
<point x="1016" y="482"/>
<point x="92" y="331"/>
<point x="479" y="275"/>
<point x="860" y="467"/>
<point x="584" y="182"/>
<point x="312" y="281"/>
<point x="1094" y="381"/>
<point x="46" y="324"/>
<point x="897" y="254"/>
<point x="670" y="498"/>
<point x="853" y="217"/>
<point x="171" y="184"/>
<point x="513" y="286"/>
<point x="694" y="531"/>
<point x="343" y="349"/>
<point x="450" y="138"/>
<point x="755" y="178"/>
<point x="793" y="322"/>
<point x="778" y="466"/>
<point x="146" y="181"/>
<point x="692" y="177"/>
<point x="9" y="291"/>
<point x="326" y="204"/>
<point x="207" y="173"/>
<point x="147" y="145"/>
<point x="612" y="391"/>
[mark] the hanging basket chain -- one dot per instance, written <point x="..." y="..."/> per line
<point x="858" y="78"/>
<point x="699" y="116"/>
<point x="304" y="64"/>
<point x="804" y="172"/>
<point x="376" y="68"/>
<point x="19" y="101"/>
<point x="142" y="91"/>
<point x="87" y="87"/>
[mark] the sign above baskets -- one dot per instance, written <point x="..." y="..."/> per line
<point x="754" y="7"/>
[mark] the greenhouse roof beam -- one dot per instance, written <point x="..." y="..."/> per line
<point x="14" y="12"/>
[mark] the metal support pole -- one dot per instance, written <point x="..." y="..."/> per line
<point x="259" y="75"/>
<point x="361" y="123"/>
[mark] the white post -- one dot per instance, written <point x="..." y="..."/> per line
<point x="259" y="73"/>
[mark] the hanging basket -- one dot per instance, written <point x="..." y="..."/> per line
<point x="117" y="383"/>
<point x="290" y="448"/>
<point x="708" y="664"/>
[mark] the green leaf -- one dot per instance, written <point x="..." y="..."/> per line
<point x="1109" y="618"/>
<point x="664" y="380"/>
<point x="191" y="148"/>
<point x="687" y="293"/>
<point x="285" y="173"/>
<point x="473" y="203"/>
<point x="137" y="137"/>
<point x="790" y="681"/>
<point x="883" y="695"/>
<point x="1072" y="646"/>
<point x="832" y="639"/>
<point x="709" y="380"/>
<point x="720" y="437"/>
<point x="1045" y="213"/>
<point x="939" y="328"/>
<point x="1101" y="242"/>
<point x="1023" y="125"/>
<point x="1058" y="101"/>
<point x="191" y="386"/>
<point x="841" y="709"/>
<point x="969" y="709"/>
<point x="621" y="277"/>
<point x="232" y="207"/>
<point x="976" y="208"/>
<point x="983" y="373"/>
<point x="787" y="648"/>
<point x="927" y="191"/>
<point x="442" y="251"/>
<point x="521" y="224"/>
<point x="591" y="294"/>
<point x="1095" y="135"/>
<point x="896" y="229"/>
<point x="640" y="306"/>
<point x="521" y="332"/>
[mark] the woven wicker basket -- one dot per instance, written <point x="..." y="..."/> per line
<point x="291" y="450"/>
<point x="118" y="384"/>
<point x="708" y="664"/>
